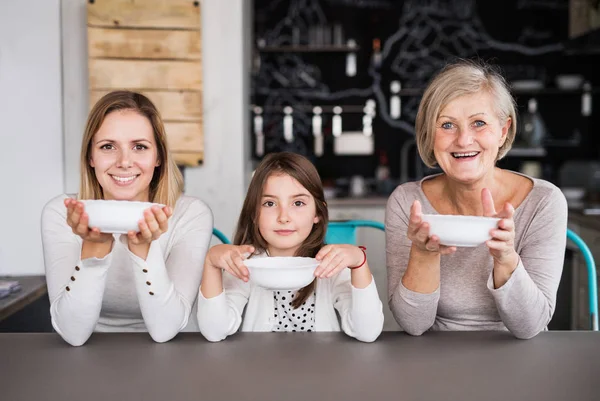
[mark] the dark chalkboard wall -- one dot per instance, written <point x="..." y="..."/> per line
<point x="528" y="39"/>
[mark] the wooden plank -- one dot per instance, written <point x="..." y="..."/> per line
<point x="145" y="74"/>
<point x="177" y="106"/>
<point x="177" y="14"/>
<point x="143" y="44"/>
<point x="579" y="21"/>
<point x="185" y="137"/>
<point x="189" y="159"/>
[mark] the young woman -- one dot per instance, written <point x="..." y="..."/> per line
<point x="140" y="281"/>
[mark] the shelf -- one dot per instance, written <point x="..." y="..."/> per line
<point x="532" y="92"/>
<point x="526" y="152"/>
<point x="308" y="49"/>
<point x="552" y="91"/>
<point x="411" y="92"/>
<point x="307" y="108"/>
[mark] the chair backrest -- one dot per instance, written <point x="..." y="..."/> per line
<point x="338" y="232"/>
<point x="591" y="271"/>
<point x="222" y="237"/>
<point x="344" y="232"/>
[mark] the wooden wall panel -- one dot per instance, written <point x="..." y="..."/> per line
<point x="180" y="14"/>
<point x="182" y="137"/>
<point x="173" y="106"/>
<point x="143" y="44"/>
<point x="153" y="47"/>
<point x="188" y="159"/>
<point x="144" y="74"/>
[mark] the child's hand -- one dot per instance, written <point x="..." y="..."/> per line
<point x="230" y="258"/>
<point x="335" y="258"/>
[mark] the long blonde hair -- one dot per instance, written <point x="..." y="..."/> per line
<point x="167" y="182"/>
<point x="303" y="171"/>
<point x="464" y="77"/>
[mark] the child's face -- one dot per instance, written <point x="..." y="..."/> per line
<point x="286" y="215"/>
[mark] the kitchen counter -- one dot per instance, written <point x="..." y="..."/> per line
<point x="585" y="218"/>
<point x="362" y="201"/>
<point x="32" y="288"/>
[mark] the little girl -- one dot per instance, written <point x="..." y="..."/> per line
<point x="285" y="214"/>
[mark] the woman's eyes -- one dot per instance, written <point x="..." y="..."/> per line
<point x="299" y="203"/>
<point x="476" y="124"/>
<point x="269" y="204"/>
<point x="109" y="146"/>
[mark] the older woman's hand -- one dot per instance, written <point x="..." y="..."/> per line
<point x="418" y="233"/>
<point x="502" y="244"/>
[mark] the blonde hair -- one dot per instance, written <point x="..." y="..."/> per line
<point x="167" y="182"/>
<point x="461" y="78"/>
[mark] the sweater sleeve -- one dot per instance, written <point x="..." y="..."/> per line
<point x="414" y="312"/>
<point x="360" y="309"/>
<point x="167" y="285"/>
<point x="75" y="287"/>
<point x="221" y="316"/>
<point x="527" y="300"/>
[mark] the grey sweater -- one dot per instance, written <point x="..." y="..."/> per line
<point x="466" y="298"/>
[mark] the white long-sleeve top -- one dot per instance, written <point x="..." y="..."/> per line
<point x="360" y="310"/>
<point x="122" y="292"/>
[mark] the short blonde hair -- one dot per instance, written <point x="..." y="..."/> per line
<point x="167" y="182"/>
<point x="461" y="78"/>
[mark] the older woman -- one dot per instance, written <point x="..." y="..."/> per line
<point x="466" y="122"/>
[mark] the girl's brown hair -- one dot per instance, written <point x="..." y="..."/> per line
<point x="167" y="183"/>
<point x="303" y="171"/>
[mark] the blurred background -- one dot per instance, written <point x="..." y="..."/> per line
<point x="338" y="81"/>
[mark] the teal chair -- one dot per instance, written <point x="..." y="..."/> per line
<point x="222" y="237"/>
<point x="591" y="271"/>
<point x="344" y="232"/>
<point x="338" y="232"/>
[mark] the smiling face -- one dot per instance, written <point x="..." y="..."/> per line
<point x="287" y="214"/>
<point x="468" y="135"/>
<point x="124" y="156"/>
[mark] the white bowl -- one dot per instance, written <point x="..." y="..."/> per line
<point x="116" y="217"/>
<point x="282" y="272"/>
<point x="461" y="231"/>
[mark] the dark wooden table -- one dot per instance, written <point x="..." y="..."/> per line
<point x="32" y="288"/>
<point x="303" y="366"/>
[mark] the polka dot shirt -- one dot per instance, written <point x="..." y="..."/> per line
<point x="289" y="319"/>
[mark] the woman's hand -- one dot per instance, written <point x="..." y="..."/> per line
<point x="230" y="258"/>
<point x="502" y="244"/>
<point x="418" y="233"/>
<point x="78" y="220"/>
<point x="335" y="258"/>
<point x="154" y="224"/>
